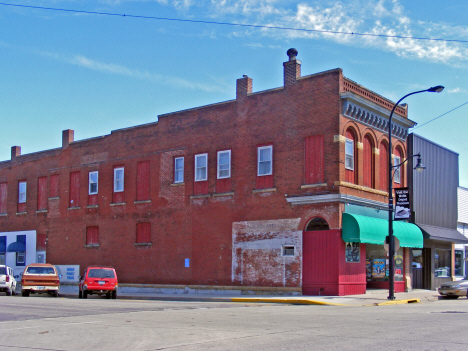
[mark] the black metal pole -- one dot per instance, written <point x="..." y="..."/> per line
<point x="391" y="246"/>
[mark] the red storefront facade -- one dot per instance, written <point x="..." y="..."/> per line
<point x="247" y="192"/>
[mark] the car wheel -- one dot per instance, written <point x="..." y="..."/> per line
<point x="85" y="294"/>
<point x="80" y="294"/>
<point x="25" y="293"/>
<point x="453" y="296"/>
<point x="114" y="295"/>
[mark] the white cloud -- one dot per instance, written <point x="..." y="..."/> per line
<point x="111" y="68"/>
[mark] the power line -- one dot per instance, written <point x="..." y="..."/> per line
<point x="232" y="24"/>
<point x="440" y="116"/>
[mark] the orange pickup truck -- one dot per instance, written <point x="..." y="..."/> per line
<point x="40" y="278"/>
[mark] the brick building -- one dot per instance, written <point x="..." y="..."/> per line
<point x="279" y="188"/>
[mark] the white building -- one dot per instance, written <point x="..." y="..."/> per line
<point x="18" y="249"/>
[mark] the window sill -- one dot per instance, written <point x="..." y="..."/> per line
<point x="142" y="202"/>
<point x="74" y="208"/>
<point x="21" y="213"/>
<point x="270" y="190"/>
<point x="223" y="194"/>
<point x="199" y="196"/>
<point x="41" y="211"/>
<point x="54" y="198"/>
<point x="3" y="214"/>
<point x="92" y="206"/>
<point x="118" y="204"/>
<point x="143" y="244"/>
<point x="92" y="246"/>
<point x="317" y="185"/>
<point x="177" y="184"/>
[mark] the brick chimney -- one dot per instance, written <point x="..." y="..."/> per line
<point x="68" y="136"/>
<point x="15" y="151"/>
<point x="243" y="87"/>
<point x="292" y="68"/>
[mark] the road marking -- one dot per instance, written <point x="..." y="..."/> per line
<point x="42" y="326"/>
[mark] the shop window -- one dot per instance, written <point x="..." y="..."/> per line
<point x="317" y="223"/>
<point x="442" y="263"/>
<point x="459" y="263"/>
<point x="377" y="263"/>
<point x="353" y="252"/>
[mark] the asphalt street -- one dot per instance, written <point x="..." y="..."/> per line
<point x="46" y="323"/>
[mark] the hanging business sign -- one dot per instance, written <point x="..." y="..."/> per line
<point x="402" y="203"/>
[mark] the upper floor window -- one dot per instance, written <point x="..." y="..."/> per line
<point x="179" y="170"/>
<point x="201" y="167"/>
<point x="22" y="192"/>
<point x="349" y="154"/>
<point x="397" y="172"/>
<point x="118" y="179"/>
<point x="93" y="183"/>
<point x="265" y="160"/>
<point x="224" y="164"/>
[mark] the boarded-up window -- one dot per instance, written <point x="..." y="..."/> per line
<point x="74" y="189"/>
<point x="42" y="193"/>
<point x="143" y="181"/>
<point x="54" y="185"/>
<point x="383" y="169"/>
<point x="143" y="232"/>
<point x="368" y="164"/>
<point x="3" y="198"/>
<point x="92" y="235"/>
<point x="314" y="160"/>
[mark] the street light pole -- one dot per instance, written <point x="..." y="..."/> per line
<point x="391" y="243"/>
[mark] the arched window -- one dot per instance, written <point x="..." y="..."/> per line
<point x="350" y="157"/>
<point x="369" y="163"/>
<point x="383" y="169"/>
<point x="398" y="176"/>
<point x="317" y="223"/>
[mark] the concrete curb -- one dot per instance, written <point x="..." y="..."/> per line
<point x="287" y="301"/>
<point x="397" y="302"/>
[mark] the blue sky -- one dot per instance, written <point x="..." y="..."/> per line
<point x="97" y="73"/>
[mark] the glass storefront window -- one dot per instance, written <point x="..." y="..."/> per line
<point x="459" y="262"/>
<point x="377" y="263"/>
<point x="442" y="263"/>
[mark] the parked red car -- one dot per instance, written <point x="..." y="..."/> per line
<point x="99" y="281"/>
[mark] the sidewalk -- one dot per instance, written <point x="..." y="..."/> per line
<point x="371" y="298"/>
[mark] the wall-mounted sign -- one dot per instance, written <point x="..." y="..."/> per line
<point x="402" y="203"/>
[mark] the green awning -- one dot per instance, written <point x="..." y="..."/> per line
<point x="371" y="230"/>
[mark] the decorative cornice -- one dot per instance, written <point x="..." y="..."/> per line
<point x="368" y="113"/>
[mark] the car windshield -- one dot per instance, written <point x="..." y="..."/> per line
<point x="3" y="270"/>
<point x="40" y="270"/>
<point x="101" y="273"/>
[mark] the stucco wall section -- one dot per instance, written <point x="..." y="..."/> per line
<point x="257" y="258"/>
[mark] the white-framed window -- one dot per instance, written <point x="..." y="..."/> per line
<point x="349" y="154"/>
<point x="179" y="170"/>
<point x="224" y="164"/>
<point x="265" y="160"/>
<point x="288" y="250"/>
<point x="20" y="258"/>
<point x="397" y="174"/>
<point x="22" y="192"/>
<point x="93" y="183"/>
<point x="201" y="167"/>
<point x="118" y="179"/>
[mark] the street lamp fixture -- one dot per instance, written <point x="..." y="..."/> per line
<point x="419" y="167"/>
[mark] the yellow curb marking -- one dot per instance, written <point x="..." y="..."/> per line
<point x="287" y="301"/>
<point x="398" y="302"/>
